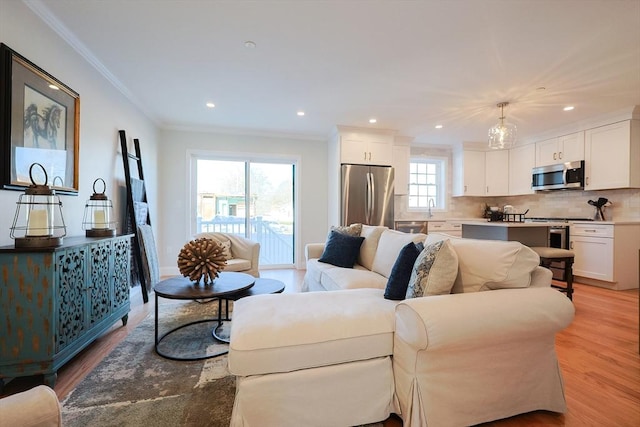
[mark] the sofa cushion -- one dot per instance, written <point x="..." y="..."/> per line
<point x="351" y="278"/>
<point x="491" y="264"/>
<point x="292" y="331"/>
<point x="389" y="246"/>
<point x="396" y="288"/>
<point x="371" y="234"/>
<point x="434" y="272"/>
<point x="341" y="249"/>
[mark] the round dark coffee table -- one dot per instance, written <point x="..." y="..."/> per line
<point x="229" y="286"/>
<point x="182" y="288"/>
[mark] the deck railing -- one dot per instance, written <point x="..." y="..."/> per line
<point x="276" y="244"/>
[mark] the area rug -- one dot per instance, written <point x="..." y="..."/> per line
<point x="133" y="386"/>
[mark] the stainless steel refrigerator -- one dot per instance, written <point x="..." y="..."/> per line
<point x="367" y="195"/>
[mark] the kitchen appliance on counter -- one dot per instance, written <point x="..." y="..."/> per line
<point x="367" y="195"/>
<point x="563" y="176"/>
<point x="411" y="226"/>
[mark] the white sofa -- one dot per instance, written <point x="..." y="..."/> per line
<point x="350" y="357"/>
<point x="244" y="253"/>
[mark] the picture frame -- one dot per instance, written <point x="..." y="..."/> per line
<point x="39" y="123"/>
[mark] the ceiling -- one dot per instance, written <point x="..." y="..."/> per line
<point x="409" y="64"/>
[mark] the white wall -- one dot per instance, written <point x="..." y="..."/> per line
<point x="174" y="148"/>
<point x="103" y="111"/>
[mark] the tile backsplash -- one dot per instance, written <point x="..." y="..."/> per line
<point x="625" y="205"/>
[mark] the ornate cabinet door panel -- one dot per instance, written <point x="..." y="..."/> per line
<point x="72" y="296"/>
<point x="99" y="280"/>
<point x="120" y="273"/>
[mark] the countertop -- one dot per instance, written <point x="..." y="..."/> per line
<point x="532" y="224"/>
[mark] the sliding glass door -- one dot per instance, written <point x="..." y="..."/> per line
<point x="253" y="199"/>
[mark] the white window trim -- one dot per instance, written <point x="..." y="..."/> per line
<point x="442" y="184"/>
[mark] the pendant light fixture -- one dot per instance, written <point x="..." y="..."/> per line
<point x="502" y="135"/>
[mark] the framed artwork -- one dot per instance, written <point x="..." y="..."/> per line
<point x="39" y="123"/>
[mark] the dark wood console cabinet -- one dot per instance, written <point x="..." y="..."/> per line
<point x="56" y="301"/>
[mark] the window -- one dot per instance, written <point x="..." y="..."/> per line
<point x="427" y="183"/>
<point x="253" y="199"/>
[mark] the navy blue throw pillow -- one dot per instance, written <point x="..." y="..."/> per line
<point x="341" y="249"/>
<point x="401" y="272"/>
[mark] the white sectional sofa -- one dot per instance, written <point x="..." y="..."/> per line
<point x="349" y="356"/>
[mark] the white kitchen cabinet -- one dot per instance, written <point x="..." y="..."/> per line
<point x="366" y="149"/>
<point x="593" y="257"/>
<point x="453" y="228"/>
<point x="497" y="173"/>
<point x="522" y="160"/>
<point x="606" y="255"/>
<point x="566" y="148"/>
<point x="612" y="156"/>
<point x="401" y="159"/>
<point x="469" y="173"/>
<point x="481" y="173"/>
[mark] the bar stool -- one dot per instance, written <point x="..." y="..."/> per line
<point x="549" y="255"/>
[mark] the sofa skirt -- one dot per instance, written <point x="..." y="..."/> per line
<point x="346" y="394"/>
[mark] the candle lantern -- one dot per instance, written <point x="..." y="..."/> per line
<point x="38" y="222"/>
<point x="98" y="213"/>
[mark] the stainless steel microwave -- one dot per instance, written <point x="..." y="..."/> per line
<point x="563" y="176"/>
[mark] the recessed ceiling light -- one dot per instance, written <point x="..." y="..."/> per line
<point x="54" y="87"/>
<point x="568" y="108"/>
<point x="249" y="44"/>
<point x="210" y="104"/>
<point x="373" y="121"/>
<point x="300" y="113"/>
<point x="438" y="126"/>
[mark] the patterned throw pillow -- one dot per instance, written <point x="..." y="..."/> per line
<point x="434" y="272"/>
<point x="351" y="230"/>
<point x="226" y="247"/>
<point x="341" y="250"/>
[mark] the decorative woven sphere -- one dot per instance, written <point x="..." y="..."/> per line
<point x="201" y="259"/>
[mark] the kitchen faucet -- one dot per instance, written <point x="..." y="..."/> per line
<point x="432" y="203"/>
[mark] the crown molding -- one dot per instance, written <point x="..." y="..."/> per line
<point x="264" y="133"/>
<point x="44" y="13"/>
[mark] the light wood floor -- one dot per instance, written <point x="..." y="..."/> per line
<point x="598" y="353"/>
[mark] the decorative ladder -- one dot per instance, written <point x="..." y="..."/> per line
<point x="131" y="209"/>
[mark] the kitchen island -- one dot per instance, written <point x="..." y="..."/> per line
<point x="527" y="233"/>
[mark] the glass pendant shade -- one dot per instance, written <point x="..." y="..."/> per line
<point x="502" y="135"/>
<point x="38" y="222"/>
<point x="98" y="214"/>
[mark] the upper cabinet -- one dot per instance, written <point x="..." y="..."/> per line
<point x="469" y="173"/>
<point x="612" y="156"/>
<point x="497" y="173"/>
<point x="401" y="157"/>
<point x="521" y="162"/>
<point x="366" y="149"/>
<point x="562" y="149"/>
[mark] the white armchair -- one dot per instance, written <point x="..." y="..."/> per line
<point x="245" y="253"/>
